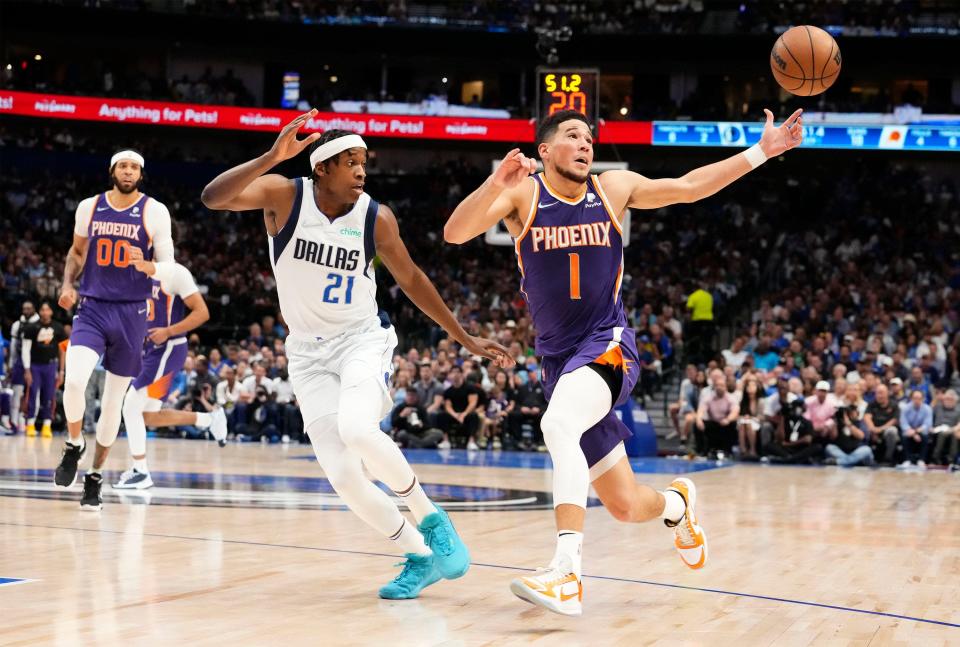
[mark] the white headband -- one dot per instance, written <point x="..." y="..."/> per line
<point x="334" y="146"/>
<point x="133" y="156"/>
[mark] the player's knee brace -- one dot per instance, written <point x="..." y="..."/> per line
<point x="133" y="403"/>
<point x="111" y="407"/>
<point x="74" y="398"/>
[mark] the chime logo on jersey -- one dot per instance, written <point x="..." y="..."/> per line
<point x="326" y="255"/>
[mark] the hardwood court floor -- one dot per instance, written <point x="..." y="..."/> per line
<point x="258" y="552"/>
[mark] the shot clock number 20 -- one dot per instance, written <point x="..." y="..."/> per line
<point x="567" y="89"/>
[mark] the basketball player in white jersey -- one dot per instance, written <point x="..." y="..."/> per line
<point x="566" y="218"/>
<point x="176" y="308"/>
<point x="111" y="319"/>
<point x="324" y="233"/>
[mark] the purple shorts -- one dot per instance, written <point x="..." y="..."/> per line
<point x="113" y="329"/>
<point x="617" y="347"/>
<point x="160" y="365"/>
<point x="16" y="374"/>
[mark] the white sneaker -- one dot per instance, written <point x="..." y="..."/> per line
<point x="443" y="444"/>
<point x="218" y="426"/>
<point x="689" y="538"/>
<point x="285" y="439"/>
<point x="472" y="446"/>
<point x="134" y="479"/>
<point x="904" y="465"/>
<point x="922" y="465"/>
<point x="556" y="589"/>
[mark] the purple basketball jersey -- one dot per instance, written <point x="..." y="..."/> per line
<point x="571" y="263"/>
<point x="107" y="273"/>
<point x="165" y="310"/>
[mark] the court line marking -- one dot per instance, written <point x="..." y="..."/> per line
<point x="611" y="578"/>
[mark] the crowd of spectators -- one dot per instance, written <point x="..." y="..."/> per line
<point x="859" y="276"/>
<point x="867" y="18"/>
<point x="852" y="355"/>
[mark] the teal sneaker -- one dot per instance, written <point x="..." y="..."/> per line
<point x="452" y="556"/>
<point x="419" y="572"/>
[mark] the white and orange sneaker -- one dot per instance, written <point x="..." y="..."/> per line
<point x="689" y="537"/>
<point x="556" y="588"/>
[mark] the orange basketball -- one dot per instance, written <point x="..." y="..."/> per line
<point x="805" y="60"/>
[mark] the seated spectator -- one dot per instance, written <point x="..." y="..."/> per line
<point x="429" y="393"/>
<point x="772" y="428"/>
<point x="288" y="410"/>
<point x="686" y="405"/>
<point x="916" y="421"/>
<point x="260" y="422"/>
<point x="821" y="412"/>
<point x="409" y="424"/>
<point x="897" y="394"/>
<point x="881" y="419"/>
<point x="736" y="354"/>
<point x="497" y="412"/>
<point x="650" y="366"/>
<point x="228" y="396"/>
<point x="528" y="409"/>
<point x="918" y="382"/>
<point x="852" y="444"/>
<point x="946" y="426"/>
<point x="716" y="417"/>
<point x="800" y="444"/>
<point x="750" y="418"/>
<point x="459" y="416"/>
<point x="764" y="357"/>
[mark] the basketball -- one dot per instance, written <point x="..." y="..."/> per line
<point x="805" y="60"/>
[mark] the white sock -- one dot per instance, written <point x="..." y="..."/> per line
<point x="569" y="543"/>
<point x="417" y="500"/>
<point x="140" y="464"/>
<point x="76" y="443"/>
<point x="46" y="422"/>
<point x="410" y="540"/>
<point x="204" y="420"/>
<point x="674" y="506"/>
<point x="31" y="422"/>
<point x="5" y="421"/>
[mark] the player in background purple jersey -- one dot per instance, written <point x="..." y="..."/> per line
<point x="111" y="318"/>
<point x="567" y="225"/>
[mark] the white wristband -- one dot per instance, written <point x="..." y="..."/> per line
<point x="755" y="156"/>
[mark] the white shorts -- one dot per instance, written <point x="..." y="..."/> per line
<point x="316" y="368"/>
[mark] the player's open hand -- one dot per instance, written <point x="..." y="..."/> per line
<point x="135" y="256"/>
<point x="514" y="168"/>
<point x="777" y="140"/>
<point x="68" y="297"/>
<point x="287" y="144"/>
<point x="489" y="349"/>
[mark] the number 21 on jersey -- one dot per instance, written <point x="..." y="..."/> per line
<point x="331" y="294"/>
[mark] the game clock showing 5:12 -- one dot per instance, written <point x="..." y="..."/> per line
<point x="567" y="89"/>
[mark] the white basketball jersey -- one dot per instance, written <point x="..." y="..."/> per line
<point x="323" y="267"/>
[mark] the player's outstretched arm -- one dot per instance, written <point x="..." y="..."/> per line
<point x="634" y="190"/>
<point x="492" y="202"/>
<point x="245" y="187"/>
<point x="421" y="291"/>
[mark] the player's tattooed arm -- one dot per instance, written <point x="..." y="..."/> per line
<point x="245" y="187"/>
<point x="71" y="271"/>
<point x="495" y="200"/>
<point x="417" y="286"/>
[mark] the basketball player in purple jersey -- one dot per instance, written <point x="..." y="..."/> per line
<point x="40" y="350"/>
<point x="567" y="229"/>
<point x="111" y="319"/>
<point x="176" y="308"/>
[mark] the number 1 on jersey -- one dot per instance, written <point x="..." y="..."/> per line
<point x="574" y="276"/>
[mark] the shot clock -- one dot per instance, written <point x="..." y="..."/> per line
<point x="568" y="89"/>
